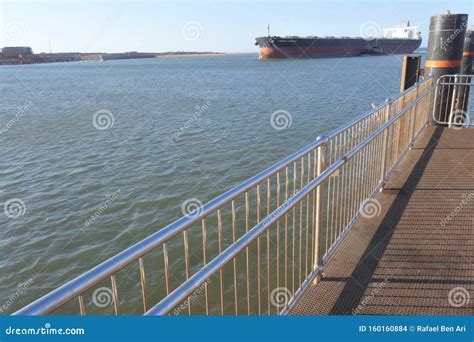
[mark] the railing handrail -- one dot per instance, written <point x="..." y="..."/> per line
<point x="167" y="304"/>
<point x="81" y="283"/>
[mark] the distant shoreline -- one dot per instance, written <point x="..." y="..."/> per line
<point x="173" y="54"/>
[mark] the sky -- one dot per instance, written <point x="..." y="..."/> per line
<point x="200" y="25"/>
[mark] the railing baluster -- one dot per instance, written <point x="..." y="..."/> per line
<point x="234" y="238"/>
<point x="247" y="258"/>
<point x="321" y="166"/>
<point x="268" y="248"/>
<point x="300" y="264"/>
<point x="308" y="200"/>
<point x="221" y="273"/>
<point x="186" y="260"/>
<point x="204" y="260"/>
<point x="385" y="142"/>
<point x="287" y="180"/>
<point x="293" y="241"/>
<point x="259" y="280"/>
<point x="143" y="283"/>
<point x="113" y="281"/>
<point x="82" y="307"/>
<point x="167" y="271"/>
<point x="278" y="234"/>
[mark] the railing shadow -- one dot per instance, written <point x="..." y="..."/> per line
<point x="362" y="275"/>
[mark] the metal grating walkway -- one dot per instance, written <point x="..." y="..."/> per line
<point x="415" y="257"/>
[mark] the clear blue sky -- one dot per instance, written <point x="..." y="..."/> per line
<point x="228" y="26"/>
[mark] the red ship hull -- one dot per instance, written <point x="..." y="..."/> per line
<point x="275" y="47"/>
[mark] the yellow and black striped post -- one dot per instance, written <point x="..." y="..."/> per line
<point x="445" y="53"/>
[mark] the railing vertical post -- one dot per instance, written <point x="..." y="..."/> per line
<point x="319" y="212"/>
<point x="415" y="110"/>
<point x="388" y="105"/>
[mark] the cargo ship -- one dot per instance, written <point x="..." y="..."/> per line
<point x="398" y="40"/>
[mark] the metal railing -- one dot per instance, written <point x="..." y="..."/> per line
<point x="451" y="101"/>
<point x="253" y="249"/>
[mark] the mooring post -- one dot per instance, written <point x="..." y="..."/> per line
<point x="462" y="100"/>
<point x="444" y="56"/>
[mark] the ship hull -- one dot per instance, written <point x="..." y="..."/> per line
<point x="276" y="47"/>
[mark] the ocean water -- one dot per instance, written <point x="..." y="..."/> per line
<point x="96" y="156"/>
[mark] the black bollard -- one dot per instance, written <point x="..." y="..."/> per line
<point x="468" y="53"/>
<point x="462" y="98"/>
<point x="444" y="56"/>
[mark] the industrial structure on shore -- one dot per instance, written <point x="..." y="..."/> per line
<point x="24" y="55"/>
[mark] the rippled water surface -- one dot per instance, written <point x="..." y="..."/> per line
<point x="188" y="127"/>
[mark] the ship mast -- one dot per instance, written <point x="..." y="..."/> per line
<point x="268" y="30"/>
